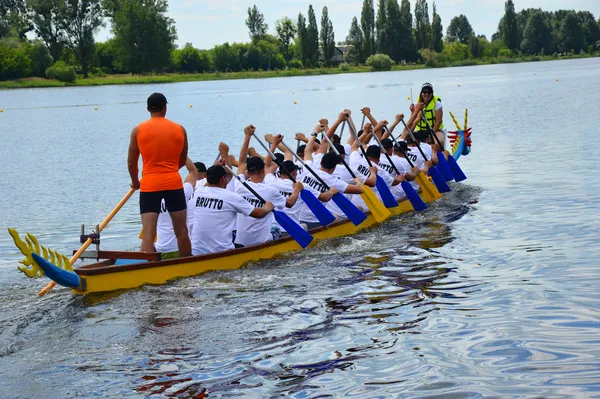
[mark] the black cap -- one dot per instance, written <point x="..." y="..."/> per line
<point x="200" y="167"/>
<point x="255" y="164"/>
<point x="157" y="102"/>
<point x="335" y="139"/>
<point x="401" y="147"/>
<point x="387" y="143"/>
<point x="373" y="151"/>
<point x="288" y="166"/>
<point x="301" y="149"/>
<point x="330" y="160"/>
<point x="215" y="173"/>
<point x="427" y="86"/>
<point x="279" y="157"/>
<point x="340" y="149"/>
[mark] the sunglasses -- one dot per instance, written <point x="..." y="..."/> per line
<point x="427" y="92"/>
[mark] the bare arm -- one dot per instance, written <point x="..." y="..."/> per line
<point x="259" y="213"/>
<point x="248" y="130"/>
<point x="133" y="157"/>
<point x="357" y="188"/>
<point x="439" y="115"/>
<point x="192" y="176"/>
<point x="271" y="166"/>
<point x="291" y="200"/>
<point x="184" y="152"/>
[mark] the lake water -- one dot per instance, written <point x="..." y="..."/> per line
<point x="492" y="292"/>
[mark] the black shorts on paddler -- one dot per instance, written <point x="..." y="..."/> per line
<point x="151" y="201"/>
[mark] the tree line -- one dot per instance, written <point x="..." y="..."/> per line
<point x="143" y="38"/>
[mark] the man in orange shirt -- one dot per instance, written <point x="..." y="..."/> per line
<point x="163" y="146"/>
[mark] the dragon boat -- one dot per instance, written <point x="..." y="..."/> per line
<point x="118" y="270"/>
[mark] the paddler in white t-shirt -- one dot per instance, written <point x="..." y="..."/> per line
<point x="166" y="241"/>
<point x="216" y="210"/>
<point x="283" y="183"/>
<point x="252" y="231"/>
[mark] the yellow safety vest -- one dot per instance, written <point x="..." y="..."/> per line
<point x="430" y="114"/>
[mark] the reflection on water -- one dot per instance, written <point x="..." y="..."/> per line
<point x="492" y="292"/>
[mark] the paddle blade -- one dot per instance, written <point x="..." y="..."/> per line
<point x="379" y="211"/>
<point x="443" y="167"/>
<point x="413" y="197"/>
<point x="438" y="180"/>
<point x="428" y="188"/>
<point x="456" y="170"/>
<point x="296" y="231"/>
<point x="317" y="208"/>
<point x="351" y="211"/>
<point x="384" y="192"/>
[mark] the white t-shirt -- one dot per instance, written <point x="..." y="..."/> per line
<point x="360" y="166"/>
<point x="314" y="186"/>
<point x="251" y="231"/>
<point x="166" y="240"/>
<point x="285" y="188"/>
<point x="398" y="162"/>
<point x="215" y="212"/>
<point x="300" y="171"/>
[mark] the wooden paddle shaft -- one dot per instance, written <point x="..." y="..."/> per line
<point x="88" y="242"/>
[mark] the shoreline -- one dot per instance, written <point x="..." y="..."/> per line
<point x="29" y="83"/>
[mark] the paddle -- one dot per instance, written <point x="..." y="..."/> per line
<point x="384" y="191"/>
<point x="296" y="231"/>
<point x="351" y="211"/>
<point x="422" y="180"/>
<point x="379" y="211"/>
<point x="341" y="133"/>
<point x="451" y="164"/>
<point x="416" y="201"/>
<point x="435" y="174"/>
<point x="317" y="208"/>
<point x="87" y="242"/>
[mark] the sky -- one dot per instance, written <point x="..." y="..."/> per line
<point x="205" y="23"/>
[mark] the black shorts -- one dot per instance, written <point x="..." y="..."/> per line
<point x="151" y="201"/>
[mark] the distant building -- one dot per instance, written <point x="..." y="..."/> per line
<point x="339" y="54"/>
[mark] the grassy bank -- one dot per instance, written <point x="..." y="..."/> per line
<point x="174" y="78"/>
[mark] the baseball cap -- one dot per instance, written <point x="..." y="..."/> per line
<point x="200" y="167"/>
<point x="330" y="160"/>
<point x="387" y="143"/>
<point x="427" y="86"/>
<point x="373" y="151"/>
<point x="156" y="102"/>
<point x="401" y="146"/>
<point x="215" y="173"/>
<point x="255" y="164"/>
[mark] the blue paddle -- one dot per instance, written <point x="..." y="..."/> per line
<point x="302" y="237"/>
<point x="384" y="191"/>
<point x="435" y="174"/>
<point x="416" y="201"/>
<point x="451" y="164"/>
<point x="316" y="207"/>
<point x="351" y="211"/>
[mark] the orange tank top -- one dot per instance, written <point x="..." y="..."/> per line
<point x="160" y="142"/>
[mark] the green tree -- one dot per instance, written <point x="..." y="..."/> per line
<point x="367" y="22"/>
<point x="14" y="15"/>
<point x="456" y="51"/>
<point x="286" y="31"/>
<point x="510" y="34"/>
<point x="226" y="57"/>
<point x="188" y="59"/>
<point x="475" y="47"/>
<point x="537" y="35"/>
<point x="571" y="34"/>
<point x="256" y="23"/>
<point x="303" y="39"/>
<point x="107" y="57"/>
<point x="145" y="35"/>
<point x="437" y="31"/>
<point x="312" y="32"/>
<point x="80" y="20"/>
<point x="327" y="37"/>
<point x="422" y="25"/>
<point x="382" y="26"/>
<point x="40" y="58"/>
<point x="46" y="19"/>
<point x="459" y="30"/>
<point x="393" y="29"/>
<point x="591" y="30"/>
<point x="357" y="40"/>
<point x="405" y="31"/>
<point x="14" y="61"/>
